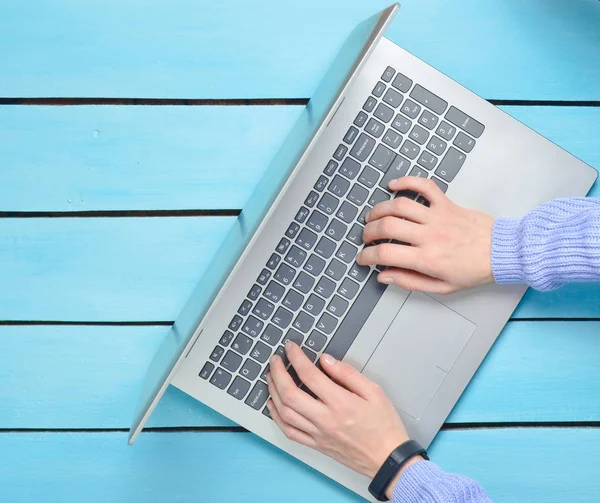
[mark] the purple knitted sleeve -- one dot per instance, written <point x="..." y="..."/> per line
<point x="556" y="243"/>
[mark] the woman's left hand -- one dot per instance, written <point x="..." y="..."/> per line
<point x="352" y="420"/>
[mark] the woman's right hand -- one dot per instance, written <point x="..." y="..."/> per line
<point x="451" y="245"/>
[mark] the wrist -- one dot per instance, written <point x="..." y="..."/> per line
<point x="389" y="492"/>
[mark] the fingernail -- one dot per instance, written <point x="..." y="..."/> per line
<point x="386" y="279"/>
<point x="269" y="377"/>
<point x="288" y="345"/>
<point x="329" y="360"/>
<point x="269" y="405"/>
<point x="273" y="359"/>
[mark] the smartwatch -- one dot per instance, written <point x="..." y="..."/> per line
<point x="392" y="465"/>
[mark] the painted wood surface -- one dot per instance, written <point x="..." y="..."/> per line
<point x="539" y="49"/>
<point x="516" y="465"/>
<point x="94" y="158"/>
<point x="89" y="377"/>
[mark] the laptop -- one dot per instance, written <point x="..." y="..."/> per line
<point x="286" y="269"/>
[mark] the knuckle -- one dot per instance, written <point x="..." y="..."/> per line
<point x="387" y="225"/>
<point x="384" y="253"/>
<point x="289" y="395"/>
<point x="286" y="414"/>
<point x="401" y="204"/>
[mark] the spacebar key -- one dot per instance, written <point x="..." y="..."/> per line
<point x="356" y="317"/>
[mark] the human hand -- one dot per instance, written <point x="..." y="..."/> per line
<point x="451" y="245"/>
<point x="352" y="420"/>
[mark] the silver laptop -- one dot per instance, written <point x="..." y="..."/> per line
<point x="286" y="270"/>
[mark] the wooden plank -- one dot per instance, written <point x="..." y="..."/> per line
<point x="184" y="49"/>
<point x="94" y="158"/>
<point x="144" y="269"/>
<point x="206" y="467"/>
<point x="90" y="376"/>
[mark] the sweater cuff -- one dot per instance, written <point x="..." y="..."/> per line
<point x="506" y="258"/>
<point x="409" y="488"/>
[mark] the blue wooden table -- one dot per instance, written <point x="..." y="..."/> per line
<point x="130" y="130"/>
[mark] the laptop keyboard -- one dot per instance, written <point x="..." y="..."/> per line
<point x="311" y="290"/>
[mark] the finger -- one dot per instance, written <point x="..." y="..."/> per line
<point x="288" y="430"/>
<point x="311" y="376"/>
<point x="400" y="207"/>
<point x="393" y="255"/>
<point x="347" y="376"/>
<point x="415" y="281"/>
<point x="393" y="228"/>
<point x="289" y="415"/>
<point x="290" y="394"/>
<point x="424" y="186"/>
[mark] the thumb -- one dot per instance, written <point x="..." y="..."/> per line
<point x="347" y="376"/>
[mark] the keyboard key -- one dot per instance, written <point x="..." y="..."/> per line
<point x="306" y="239"/>
<point x="402" y="83"/>
<point x="258" y="396"/>
<point x="401" y="123"/>
<point x="465" y="122"/>
<point x="232" y="361"/>
<point x="236" y="323"/>
<point x="239" y="388"/>
<point x="392" y="139"/>
<point x="271" y="335"/>
<point x="368" y="177"/>
<point x="339" y="186"/>
<point x="439" y="183"/>
<point x="263" y="309"/>
<point x="398" y="168"/>
<point x="359" y="272"/>
<point x="436" y="145"/>
<point x="427" y="160"/>
<point x="215" y="356"/>
<point x="326" y="323"/>
<point x="355" y="234"/>
<point x="393" y="98"/>
<point x="349" y="168"/>
<point x="226" y="338"/>
<point x="285" y="274"/>
<point x="446" y="131"/>
<point x="317" y="221"/>
<point x="337" y="306"/>
<point x="419" y="134"/>
<point x="325" y="287"/>
<point x="264" y="277"/>
<point x="271" y="264"/>
<point x="370" y="104"/>
<point x="304" y="282"/>
<point x="316" y="341"/>
<point x="363" y="213"/>
<point x="250" y="369"/>
<point x="336" y="230"/>
<point x="303" y="322"/>
<point x="254" y="292"/>
<point x="335" y="269"/>
<point x="418" y="172"/>
<point x="282" y="317"/>
<point x="296" y="256"/>
<point x="280" y="351"/>
<point x="378" y="89"/>
<point x="409" y="194"/>
<point x="383" y="113"/>
<point x="253" y="326"/>
<point x="410" y="109"/>
<point x="348" y="289"/>
<point x="309" y="354"/>
<point x="350" y="135"/>
<point x="325" y="247"/>
<point x="361" y="118"/>
<point x="423" y="201"/>
<point x="428" y="99"/>
<point x="294" y="336"/>
<point x="245" y="308"/>
<point x="293" y="300"/>
<point x="283" y="245"/>
<point x="301" y="215"/>
<point x="315" y="265"/>
<point x="242" y="344"/>
<point x="347" y="212"/>
<point x="363" y="147"/>
<point x="330" y="168"/>
<point x="464" y="142"/>
<point x="314" y="305"/>
<point x="220" y="378"/>
<point x="378" y="196"/>
<point x="388" y="73"/>
<point x="409" y="149"/>
<point x="261" y="352"/>
<point x="321" y="183"/>
<point x="206" y="370"/>
<point x="428" y="119"/>
<point x="450" y="165"/>
<point x="274" y="291"/>
<point x="358" y="195"/>
<point x="381" y="158"/>
<point x="347" y="252"/>
<point x="375" y="127"/>
<point x="340" y="152"/>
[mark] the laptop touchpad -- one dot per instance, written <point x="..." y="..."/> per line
<point x="417" y="352"/>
